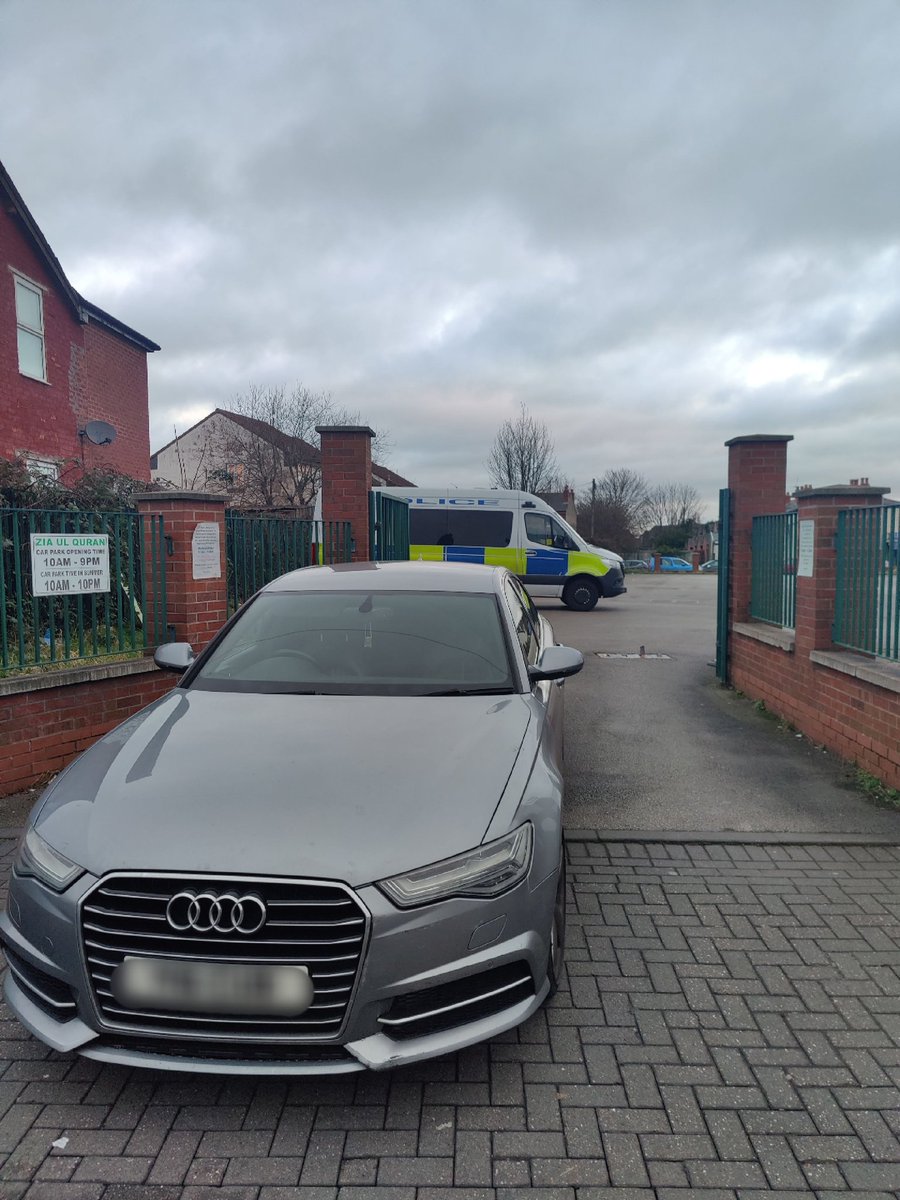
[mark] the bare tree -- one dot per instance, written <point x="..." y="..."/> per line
<point x="269" y="456"/>
<point x="612" y="509"/>
<point x="522" y="456"/>
<point x="673" y="504"/>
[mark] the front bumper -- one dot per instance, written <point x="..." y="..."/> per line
<point x="613" y="583"/>
<point x="441" y="946"/>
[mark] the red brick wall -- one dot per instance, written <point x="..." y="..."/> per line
<point x="851" y="717"/>
<point x="346" y="481"/>
<point x="91" y="374"/>
<point x="116" y="374"/>
<point x="197" y="608"/>
<point x="42" y="731"/>
<point x="857" y="720"/>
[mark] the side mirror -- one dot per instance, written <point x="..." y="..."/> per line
<point x="557" y="662"/>
<point x="174" y="656"/>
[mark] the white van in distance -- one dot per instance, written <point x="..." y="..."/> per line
<point x="515" y="530"/>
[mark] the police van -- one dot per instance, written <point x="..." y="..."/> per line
<point x="515" y="530"/>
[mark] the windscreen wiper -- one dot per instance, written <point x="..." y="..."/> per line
<point x="487" y="691"/>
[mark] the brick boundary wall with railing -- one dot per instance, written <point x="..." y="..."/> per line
<point x="48" y="717"/>
<point x="846" y="701"/>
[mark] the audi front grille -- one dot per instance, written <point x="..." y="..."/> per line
<point x="321" y="926"/>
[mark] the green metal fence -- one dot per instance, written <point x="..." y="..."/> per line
<point x="79" y="586"/>
<point x="388" y="528"/>
<point x="259" y="549"/>
<point x="773" y="587"/>
<point x="867" y="596"/>
<point x="723" y="584"/>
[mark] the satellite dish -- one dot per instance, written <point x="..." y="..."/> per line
<point x="101" y="433"/>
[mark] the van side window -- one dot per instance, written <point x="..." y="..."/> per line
<point x="541" y="528"/>
<point x="480" y="527"/>
<point x="428" y="526"/>
<point x="525" y="631"/>
<point x="459" y="527"/>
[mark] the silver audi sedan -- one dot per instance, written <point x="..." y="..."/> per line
<point x="335" y="844"/>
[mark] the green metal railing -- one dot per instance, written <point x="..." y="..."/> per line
<point x="259" y="549"/>
<point x="70" y="625"/>
<point x="867" y="596"/>
<point x="388" y="528"/>
<point x="723" y="583"/>
<point x="773" y="587"/>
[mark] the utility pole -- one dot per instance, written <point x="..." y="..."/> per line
<point x="593" y="509"/>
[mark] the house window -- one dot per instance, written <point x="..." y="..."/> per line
<point x="43" y="468"/>
<point x="30" y="330"/>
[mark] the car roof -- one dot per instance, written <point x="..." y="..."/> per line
<point x="407" y="576"/>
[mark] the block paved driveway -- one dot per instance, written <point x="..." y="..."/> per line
<point x="731" y="1025"/>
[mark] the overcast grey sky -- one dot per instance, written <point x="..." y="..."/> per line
<point x="661" y="223"/>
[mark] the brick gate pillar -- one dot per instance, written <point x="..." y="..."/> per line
<point x="347" y="480"/>
<point x="816" y="592"/>
<point x="757" y="478"/>
<point x="196" y="586"/>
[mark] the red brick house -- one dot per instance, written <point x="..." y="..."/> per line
<point x="63" y="361"/>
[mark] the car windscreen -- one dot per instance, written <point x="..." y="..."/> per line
<point x="363" y="643"/>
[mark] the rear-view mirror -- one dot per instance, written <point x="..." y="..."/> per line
<point x="557" y="662"/>
<point x="174" y="656"/>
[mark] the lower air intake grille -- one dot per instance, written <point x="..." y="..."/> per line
<point x="50" y="995"/>
<point x="451" y="1004"/>
<point x="321" y="926"/>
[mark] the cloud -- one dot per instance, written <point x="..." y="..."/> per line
<point x="659" y="225"/>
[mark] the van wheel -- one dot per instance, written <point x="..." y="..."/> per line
<point x="581" y="594"/>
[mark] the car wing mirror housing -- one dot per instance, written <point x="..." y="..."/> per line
<point x="174" y="656"/>
<point x="557" y="662"/>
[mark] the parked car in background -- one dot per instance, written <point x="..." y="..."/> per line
<point x="710" y="567"/>
<point x="669" y="562"/>
<point x="335" y="844"/>
<point x="636" y="564"/>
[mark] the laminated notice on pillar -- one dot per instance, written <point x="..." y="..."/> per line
<point x="69" y="564"/>
<point x="206" y="559"/>
<point x="806" y="542"/>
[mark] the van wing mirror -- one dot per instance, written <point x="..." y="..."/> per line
<point x="557" y="662"/>
<point x="174" y="656"/>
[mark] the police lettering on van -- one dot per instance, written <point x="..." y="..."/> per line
<point x="515" y="530"/>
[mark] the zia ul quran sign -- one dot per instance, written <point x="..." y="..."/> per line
<point x="69" y="564"/>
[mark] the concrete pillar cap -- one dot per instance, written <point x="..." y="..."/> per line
<point x="366" y="429"/>
<point x="760" y="437"/>
<point x="170" y="494"/>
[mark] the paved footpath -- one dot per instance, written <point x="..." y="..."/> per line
<point x="730" y="1028"/>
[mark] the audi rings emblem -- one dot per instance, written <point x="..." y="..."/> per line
<point x="205" y="912"/>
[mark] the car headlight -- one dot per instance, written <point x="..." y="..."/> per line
<point x="38" y="858"/>
<point x="481" y="873"/>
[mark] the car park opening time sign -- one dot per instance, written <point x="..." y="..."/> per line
<point x="69" y="564"/>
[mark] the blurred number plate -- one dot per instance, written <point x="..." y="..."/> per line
<point x="264" y="990"/>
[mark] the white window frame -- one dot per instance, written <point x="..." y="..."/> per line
<point x="30" y="286"/>
<point x="43" y="468"/>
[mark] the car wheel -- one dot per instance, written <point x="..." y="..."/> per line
<point x="581" y="594"/>
<point x="556" y="957"/>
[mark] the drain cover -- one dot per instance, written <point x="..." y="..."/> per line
<point x="610" y="654"/>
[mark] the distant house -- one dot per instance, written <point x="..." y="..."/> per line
<point x="64" y="362"/>
<point x="250" y="461"/>
<point x="562" y="502"/>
